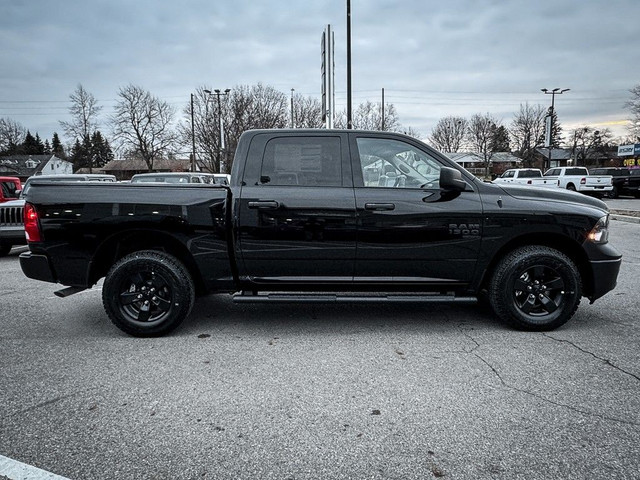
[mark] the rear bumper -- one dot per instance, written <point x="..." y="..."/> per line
<point x="12" y="235"/>
<point x="594" y="188"/>
<point x="37" y="267"/>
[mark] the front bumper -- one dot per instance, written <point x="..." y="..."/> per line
<point x="37" y="267"/>
<point x="604" y="271"/>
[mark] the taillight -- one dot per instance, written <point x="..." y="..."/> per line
<point x="31" y="223"/>
<point x="583" y="180"/>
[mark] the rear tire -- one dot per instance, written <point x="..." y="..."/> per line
<point x="535" y="288"/>
<point x="613" y="193"/>
<point x="148" y="293"/>
<point x="5" y="248"/>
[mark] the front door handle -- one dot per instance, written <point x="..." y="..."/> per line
<point x="379" y="206"/>
<point x="264" y="204"/>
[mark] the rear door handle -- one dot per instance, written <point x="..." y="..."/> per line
<point x="379" y="206"/>
<point x="264" y="204"/>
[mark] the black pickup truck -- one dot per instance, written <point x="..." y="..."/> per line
<point x="323" y="216"/>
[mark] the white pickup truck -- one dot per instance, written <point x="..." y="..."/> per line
<point x="579" y="180"/>
<point x="570" y="178"/>
<point x="523" y="176"/>
<point x="526" y="176"/>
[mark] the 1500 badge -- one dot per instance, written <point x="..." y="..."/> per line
<point x="464" y="229"/>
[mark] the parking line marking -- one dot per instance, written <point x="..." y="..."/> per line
<point x="16" y="470"/>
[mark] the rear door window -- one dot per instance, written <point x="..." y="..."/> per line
<point x="305" y="161"/>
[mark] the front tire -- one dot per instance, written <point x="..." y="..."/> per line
<point x="535" y="288"/>
<point x="148" y="293"/>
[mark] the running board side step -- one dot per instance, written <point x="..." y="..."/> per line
<point x="337" y="298"/>
<point x="67" y="292"/>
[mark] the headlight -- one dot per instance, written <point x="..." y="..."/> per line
<point x="600" y="233"/>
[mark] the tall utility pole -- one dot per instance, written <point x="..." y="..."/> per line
<point x="382" y="110"/>
<point x="193" y="139"/>
<point x="221" y="148"/>
<point x="549" y="125"/>
<point x="349" y="112"/>
<point x="293" y="123"/>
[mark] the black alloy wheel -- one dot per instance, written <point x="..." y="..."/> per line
<point x="539" y="291"/>
<point x="148" y="293"/>
<point x="535" y="288"/>
<point x="145" y="296"/>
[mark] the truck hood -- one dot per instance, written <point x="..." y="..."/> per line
<point x="553" y="194"/>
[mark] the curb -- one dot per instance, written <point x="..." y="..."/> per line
<point x="624" y="218"/>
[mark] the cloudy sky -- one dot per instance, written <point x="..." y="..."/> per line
<point x="433" y="58"/>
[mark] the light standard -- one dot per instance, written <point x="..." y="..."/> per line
<point x="218" y="94"/>
<point x="193" y="139"/>
<point x="293" y="121"/>
<point x="549" y="129"/>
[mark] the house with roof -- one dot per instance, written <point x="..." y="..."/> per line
<point x="554" y="157"/>
<point x="474" y="163"/>
<point x="25" y="166"/>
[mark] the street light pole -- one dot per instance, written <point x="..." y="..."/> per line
<point x="221" y="148"/>
<point x="349" y="112"/>
<point x="193" y="139"/>
<point x="553" y="93"/>
<point x="293" y="123"/>
<point x="382" y="115"/>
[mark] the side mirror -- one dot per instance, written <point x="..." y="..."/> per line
<point x="451" y="180"/>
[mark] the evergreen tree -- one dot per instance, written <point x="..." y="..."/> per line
<point x="39" y="144"/>
<point x="47" y="147"/>
<point x="500" y="139"/>
<point x="32" y="145"/>
<point x="79" y="156"/>
<point x="88" y="154"/>
<point x="100" y="150"/>
<point x="57" y="148"/>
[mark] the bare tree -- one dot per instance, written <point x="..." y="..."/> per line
<point x="142" y="124"/>
<point x="527" y="132"/>
<point x="368" y="116"/>
<point x="449" y="134"/>
<point x="634" y="107"/>
<point x="307" y="112"/>
<point x="205" y="128"/>
<point x="588" y="144"/>
<point x="12" y="134"/>
<point x="480" y="134"/>
<point x="243" y="108"/>
<point x="84" y="111"/>
<point x="249" y="107"/>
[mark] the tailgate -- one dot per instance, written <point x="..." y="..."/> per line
<point x="598" y="180"/>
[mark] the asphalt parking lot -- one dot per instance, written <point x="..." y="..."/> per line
<point x="321" y="391"/>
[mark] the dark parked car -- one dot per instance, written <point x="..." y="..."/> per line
<point x="626" y="180"/>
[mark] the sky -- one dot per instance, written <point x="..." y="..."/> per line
<point x="433" y="58"/>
